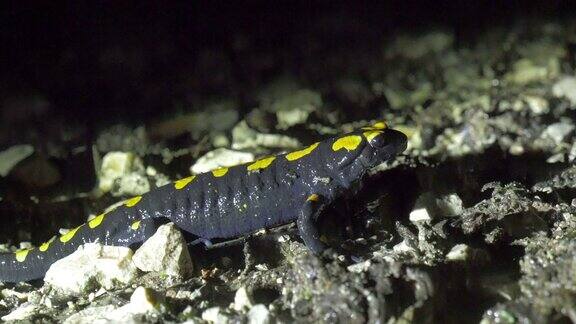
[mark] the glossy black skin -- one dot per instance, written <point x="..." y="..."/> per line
<point x="236" y="204"/>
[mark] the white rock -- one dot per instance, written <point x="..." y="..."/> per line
<point x="360" y="267"/>
<point x="459" y="252"/>
<point x="402" y="247"/>
<point x="525" y="71"/>
<point x="420" y="215"/>
<point x="116" y="165"/>
<point x="287" y="119"/>
<point x="241" y="300"/>
<point x="428" y="207"/>
<point x="215" y="315"/>
<point x="572" y="153"/>
<point x="143" y="300"/>
<point x="21" y="313"/>
<point x="193" y="321"/>
<point x="166" y="251"/>
<point x="516" y="149"/>
<point x="244" y="137"/>
<point x="424" y="208"/>
<point x="220" y="140"/>
<point x="12" y="156"/>
<point x="259" y="314"/>
<point x="91" y="315"/>
<point x="537" y="105"/>
<point x="558" y="131"/>
<point x="220" y="157"/>
<point x="294" y="107"/>
<point x="566" y="87"/>
<point x="132" y="184"/>
<point x="450" y="205"/>
<point x="92" y="266"/>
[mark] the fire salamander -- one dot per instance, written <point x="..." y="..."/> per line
<point x="229" y="202"/>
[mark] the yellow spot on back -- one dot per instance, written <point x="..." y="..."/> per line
<point x="349" y="143"/>
<point x="313" y="197"/>
<point x="261" y="164"/>
<point x="96" y="221"/>
<point x="302" y="153"/>
<point x="371" y="134"/>
<point x="135" y="225"/>
<point x="183" y="182"/>
<point x="220" y="172"/>
<point x="22" y="254"/>
<point x="132" y="201"/>
<point x="68" y="236"/>
<point x="46" y="245"/>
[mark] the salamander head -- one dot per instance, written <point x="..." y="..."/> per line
<point x="365" y="148"/>
<point x="383" y="144"/>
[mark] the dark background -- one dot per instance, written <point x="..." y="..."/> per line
<point x="132" y="60"/>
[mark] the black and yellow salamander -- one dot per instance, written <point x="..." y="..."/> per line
<point x="229" y="202"/>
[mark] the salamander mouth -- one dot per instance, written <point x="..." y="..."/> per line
<point x="397" y="140"/>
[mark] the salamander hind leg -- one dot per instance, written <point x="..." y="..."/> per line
<point x="307" y="223"/>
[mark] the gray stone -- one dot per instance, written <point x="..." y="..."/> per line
<point x="12" y="156"/>
<point x="24" y="312"/>
<point x="242" y="300"/>
<point x="92" y="266"/>
<point x="428" y="207"/>
<point x="216" y="315"/>
<point x="525" y="71"/>
<point x="557" y="132"/>
<point x="166" y="252"/>
<point x="142" y="301"/>
<point x="244" y="137"/>
<point x="295" y="107"/>
<point x="259" y="314"/>
<point x="566" y="88"/>
<point x="123" y="174"/>
<point x="220" y="157"/>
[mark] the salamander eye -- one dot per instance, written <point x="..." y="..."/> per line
<point x="377" y="138"/>
<point x="380" y="140"/>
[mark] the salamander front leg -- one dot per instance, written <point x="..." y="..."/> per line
<point x="307" y="224"/>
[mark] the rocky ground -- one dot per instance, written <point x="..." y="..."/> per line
<point x="475" y="222"/>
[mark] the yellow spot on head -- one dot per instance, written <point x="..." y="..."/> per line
<point x="94" y="222"/>
<point x="220" y="172"/>
<point x="371" y="134"/>
<point x="46" y="245"/>
<point x="313" y="197"/>
<point x="132" y="201"/>
<point x="349" y="143"/>
<point x="380" y="125"/>
<point x="68" y="236"/>
<point x="135" y="225"/>
<point x="302" y="153"/>
<point x="21" y="254"/>
<point x="377" y="126"/>
<point x="183" y="182"/>
<point x="261" y="164"/>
